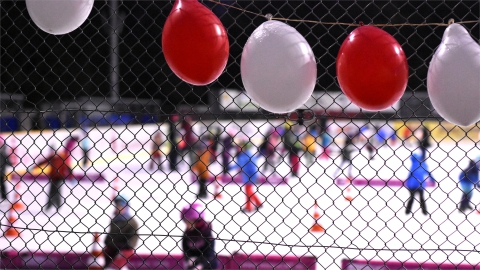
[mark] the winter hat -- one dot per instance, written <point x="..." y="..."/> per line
<point x="121" y="201"/>
<point x="192" y="212"/>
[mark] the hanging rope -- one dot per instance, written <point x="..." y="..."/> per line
<point x="268" y="17"/>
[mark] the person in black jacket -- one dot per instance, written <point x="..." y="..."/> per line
<point x="173" y="137"/>
<point x="122" y="236"/>
<point x="425" y="141"/>
<point x="293" y="147"/>
<point x="227" y="143"/>
<point x="346" y="157"/>
<point x="4" y="162"/>
<point x="267" y="149"/>
<point x="198" y="243"/>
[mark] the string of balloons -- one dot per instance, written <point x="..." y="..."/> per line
<point x="279" y="69"/>
<point x="270" y="17"/>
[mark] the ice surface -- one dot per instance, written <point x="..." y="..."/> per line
<point x="362" y="229"/>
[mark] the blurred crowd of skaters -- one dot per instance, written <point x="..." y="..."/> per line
<point x="234" y="151"/>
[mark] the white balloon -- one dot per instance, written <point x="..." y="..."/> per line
<point x="453" y="79"/>
<point x="278" y="67"/>
<point x="59" y="17"/>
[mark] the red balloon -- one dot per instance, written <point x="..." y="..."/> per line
<point x="195" y="43"/>
<point x="372" y="68"/>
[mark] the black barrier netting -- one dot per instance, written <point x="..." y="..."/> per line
<point x="107" y="157"/>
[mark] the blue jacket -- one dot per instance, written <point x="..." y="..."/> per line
<point x="469" y="176"/>
<point x="313" y="132"/>
<point x="419" y="173"/>
<point x="247" y="162"/>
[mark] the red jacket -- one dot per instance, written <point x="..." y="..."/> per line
<point x="188" y="137"/>
<point x="59" y="169"/>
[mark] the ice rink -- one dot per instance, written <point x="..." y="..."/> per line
<point x="373" y="221"/>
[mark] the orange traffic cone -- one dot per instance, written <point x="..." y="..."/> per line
<point x="12" y="217"/>
<point x="348" y="196"/>
<point x="97" y="258"/>
<point x="217" y="194"/>
<point x="18" y="204"/>
<point x="116" y="188"/>
<point x="316" y="215"/>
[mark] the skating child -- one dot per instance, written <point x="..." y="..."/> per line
<point x="424" y="142"/>
<point x="468" y="179"/>
<point x="227" y="143"/>
<point x="198" y="243"/>
<point x="368" y="138"/>
<point x="173" y="138"/>
<point x="293" y="147"/>
<point x="200" y="168"/>
<point x="156" y="153"/>
<point x="417" y="181"/>
<point x="326" y="140"/>
<point x="189" y="139"/>
<point x="4" y="162"/>
<point x="122" y="237"/>
<point x="267" y="148"/>
<point x="85" y="146"/>
<point x="58" y="173"/>
<point x="346" y="157"/>
<point x="310" y="144"/>
<point x="247" y="163"/>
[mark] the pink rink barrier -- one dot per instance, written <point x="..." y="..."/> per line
<point x="237" y="179"/>
<point x="378" y="182"/>
<point x="70" y="260"/>
<point x="90" y="177"/>
<point x="374" y="265"/>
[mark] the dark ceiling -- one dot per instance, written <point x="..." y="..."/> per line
<point x="48" y="68"/>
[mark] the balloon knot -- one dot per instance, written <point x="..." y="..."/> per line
<point x="450" y="21"/>
<point x="269" y="16"/>
<point x="361" y="23"/>
<point x="301" y="116"/>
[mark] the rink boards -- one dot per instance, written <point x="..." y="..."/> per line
<point x="71" y="260"/>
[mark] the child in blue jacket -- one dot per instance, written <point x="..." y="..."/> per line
<point x="468" y="178"/>
<point x="417" y="181"/>
<point x="247" y="163"/>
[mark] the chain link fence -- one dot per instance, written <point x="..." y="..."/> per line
<point x="108" y="158"/>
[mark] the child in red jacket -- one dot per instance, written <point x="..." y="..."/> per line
<point x="59" y="172"/>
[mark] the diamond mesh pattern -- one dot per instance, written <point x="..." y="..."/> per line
<point x="96" y="114"/>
